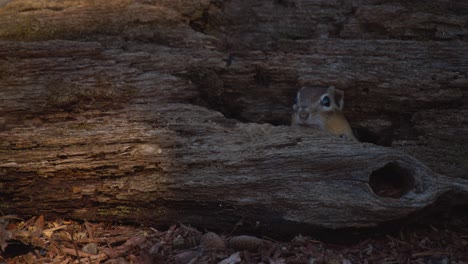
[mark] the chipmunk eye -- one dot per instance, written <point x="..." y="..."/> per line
<point x="325" y="101"/>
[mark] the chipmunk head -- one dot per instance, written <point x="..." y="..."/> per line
<point x="311" y="102"/>
<point x="321" y="108"/>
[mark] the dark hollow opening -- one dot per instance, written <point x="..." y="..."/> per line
<point x="392" y="181"/>
<point x="15" y="249"/>
<point x="366" y="135"/>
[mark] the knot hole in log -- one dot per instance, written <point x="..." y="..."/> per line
<point x="392" y="180"/>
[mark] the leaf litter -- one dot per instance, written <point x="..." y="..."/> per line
<point x="63" y="242"/>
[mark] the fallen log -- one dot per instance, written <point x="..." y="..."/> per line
<point x="156" y="164"/>
<point x="127" y="126"/>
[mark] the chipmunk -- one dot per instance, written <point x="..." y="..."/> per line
<point x="320" y="107"/>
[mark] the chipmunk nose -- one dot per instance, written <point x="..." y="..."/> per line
<point x="303" y="115"/>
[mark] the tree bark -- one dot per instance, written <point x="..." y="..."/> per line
<point x="158" y="163"/>
<point x="126" y="120"/>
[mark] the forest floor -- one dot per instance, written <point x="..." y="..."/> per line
<point x="39" y="241"/>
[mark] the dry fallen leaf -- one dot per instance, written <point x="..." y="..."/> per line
<point x="4" y="236"/>
<point x="48" y="232"/>
<point x="212" y="242"/>
<point x="186" y="256"/>
<point x="233" y="259"/>
<point x="240" y="243"/>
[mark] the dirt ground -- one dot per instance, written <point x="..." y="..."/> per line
<point x="38" y="240"/>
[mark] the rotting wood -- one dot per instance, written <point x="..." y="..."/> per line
<point x="403" y="66"/>
<point x="111" y="128"/>
<point x="158" y="163"/>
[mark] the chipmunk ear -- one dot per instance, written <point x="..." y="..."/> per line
<point x="337" y="95"/>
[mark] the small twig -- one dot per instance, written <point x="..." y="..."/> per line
<point x="429" y="253"/>
<point x="270" y="239"/>
<point x="237" y="225"/>
<point x="89" y="230"/>
<point x="72" y="231"/>
<point x="398" y="241"/>
<point x="48" y="232"/>
<point x="81" y="254"/>
<point x="11" y="217"/>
